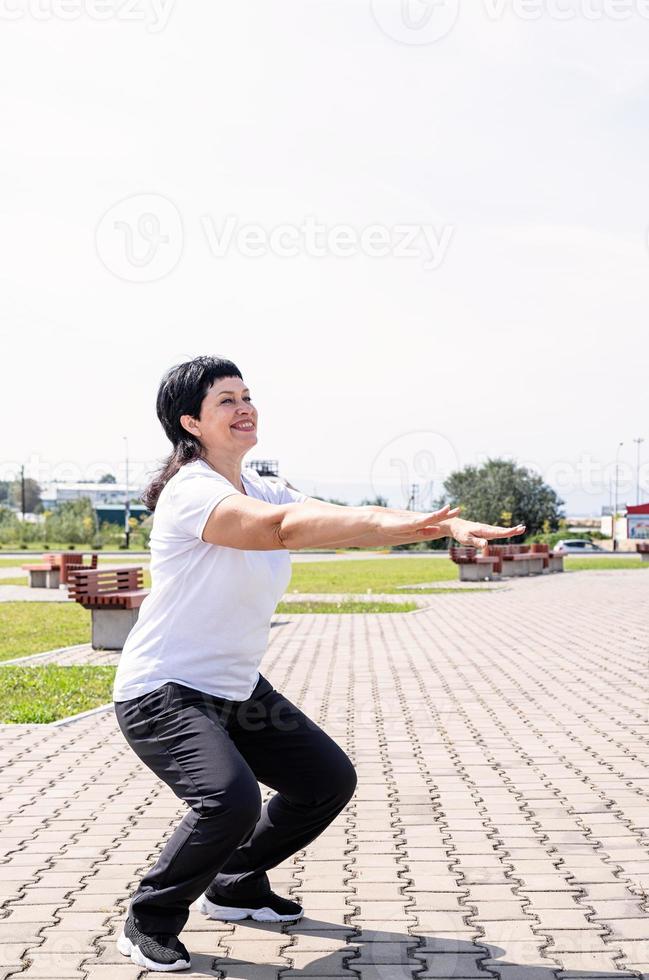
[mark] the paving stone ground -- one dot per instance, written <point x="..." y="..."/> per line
<point x="500" y="827"/>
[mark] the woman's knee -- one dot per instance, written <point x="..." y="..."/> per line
<point x="238" y="804"/>
<point x="338" y="781"/>
<point x="348" y="779"/>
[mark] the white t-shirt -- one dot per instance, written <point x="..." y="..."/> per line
<point x="206" y="620"/>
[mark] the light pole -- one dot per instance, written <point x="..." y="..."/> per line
<point x="617" y="456"/>
<point x="413" y="500"/>
<point x="127" y="505"/>
<point x="22" y="492"/>
<point x="638" y="443"/>
<point x="22" y="504"/>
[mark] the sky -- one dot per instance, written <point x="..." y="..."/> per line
<point x="418" y="228"/>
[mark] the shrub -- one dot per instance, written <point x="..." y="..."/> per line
<point x="73" y="521"/>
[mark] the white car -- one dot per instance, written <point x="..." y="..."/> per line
<point x="577" y="546"/>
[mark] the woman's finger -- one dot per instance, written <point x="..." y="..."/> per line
<point x="474" y="541"/>
<point x="439" y="515"/>
<point x="512" y="531"/>
<point x="493" y="531"/>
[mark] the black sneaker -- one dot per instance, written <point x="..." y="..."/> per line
<point x="270" y="908"/>
<point x="160" y="951"/>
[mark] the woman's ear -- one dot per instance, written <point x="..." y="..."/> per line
<point x="190" y="424"/>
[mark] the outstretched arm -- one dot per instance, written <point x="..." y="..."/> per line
<point x="471" y="533"/>
<point x="239" y="521"/>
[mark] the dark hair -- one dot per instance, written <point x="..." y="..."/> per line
<point x="181" y="392"/>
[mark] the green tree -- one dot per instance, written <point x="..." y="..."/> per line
<point x="73" y="521"/>
<point x="5" y="490"/>
<point x="329" y="500"/>
<point x="32" y="495"/>
<point x="378" y="501"/>
<point x="14" y="532"/>
<point x="107" y="478"/>
<point x="500" y="492"/>
<point x="10" y="526"/>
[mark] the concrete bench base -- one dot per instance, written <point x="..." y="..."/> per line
<point x="513" y="568"/>
<point x="111" y="626"/>
<point x="644" y="555"/>
<point x="45" y="578"/>
<point x="529" y="565"/>
<point x="474" y="572"/>
<point x="555" y="564"/>
<point x="535" y="564"/>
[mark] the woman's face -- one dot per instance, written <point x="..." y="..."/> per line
<point x="228" y="419"/>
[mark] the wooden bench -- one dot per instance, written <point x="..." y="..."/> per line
<point x="473" y="566"/>
<point x="114" y="597"/>
<point x="45" y="574"/>
<point x="542" y="549"/>
<point x="69" y="560"/>
<point x="54" y="568"/>
<point x="642" y="547"/>
<point x="517" y="559"/>
<point x="524" y="561"/>
<point x="506" y="559"/>
<point x="552" y="562"/>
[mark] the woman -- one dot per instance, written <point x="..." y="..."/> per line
<point x="188" y="695"/>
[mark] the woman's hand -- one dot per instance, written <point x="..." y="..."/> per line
<point x="477" y="535"/>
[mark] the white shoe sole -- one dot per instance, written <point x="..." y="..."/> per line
<point x="227" y="913"/>
<point x="127" y="948"/>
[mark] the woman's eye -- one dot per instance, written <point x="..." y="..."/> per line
<point x="246" y="399"/>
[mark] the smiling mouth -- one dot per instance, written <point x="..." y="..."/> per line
<point x="243" y="426"/>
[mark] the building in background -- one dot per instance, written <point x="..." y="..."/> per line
<point x="631" y="524"/>
<point x="107" y="499"/>
<point x="637" y="522"/>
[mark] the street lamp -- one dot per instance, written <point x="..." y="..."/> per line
<point x="22" y="492"/>
<point x="617" y="456"/>
<point x="127" y="505"/>
<point x="638" y="443"/>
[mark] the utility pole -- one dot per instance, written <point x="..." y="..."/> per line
<point x="617" y="454"/>
<point x="22" y="491"/>
<point x="638" y="443"/>
<point x="127" y="502"/>
<point x="413" y="500"/>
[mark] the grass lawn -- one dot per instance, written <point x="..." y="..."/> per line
<point x="39" y="547"/>
<point x="377" y="575"/>
<point x="44" y="694"/>
<point x="385" y="576"/>
<point x="33" y="627"/>
<point x="574" y="564"/>
<point x="346" y="607"/>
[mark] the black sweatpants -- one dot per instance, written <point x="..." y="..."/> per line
<point x="211" y="752"/>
